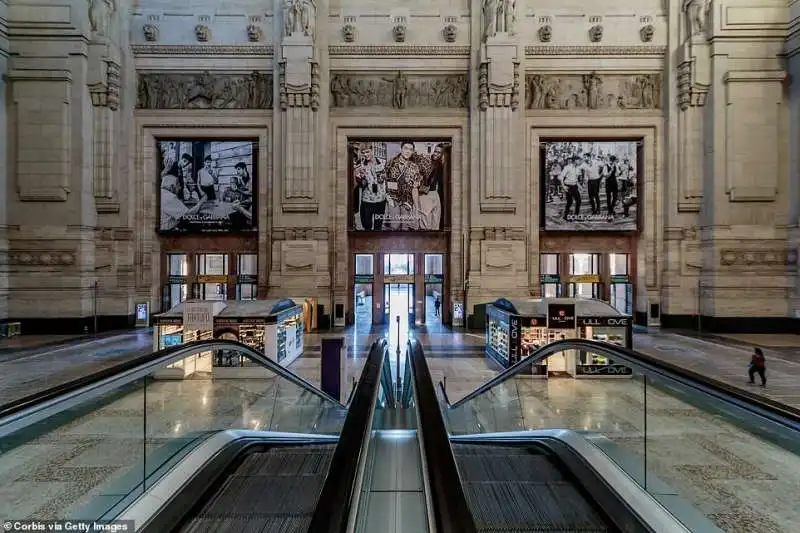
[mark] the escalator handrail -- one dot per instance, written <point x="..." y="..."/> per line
<point x="644" y="362"/>
<point x="335" y="502"/>
<point x="152" y="361"/>
<point x="451" y="510"/>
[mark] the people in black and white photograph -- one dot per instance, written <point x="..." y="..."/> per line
<point x="398" y="185"/>
<point x="216" y="197"/>
<point x="590" y="186"/>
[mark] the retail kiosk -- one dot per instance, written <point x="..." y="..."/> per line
<point x="274" y="327"/>
<point x="516" y="328"/>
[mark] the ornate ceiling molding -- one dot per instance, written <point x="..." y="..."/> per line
<point x="398" y="50"/>
<point x="596" y="50"/>
<point x="201" y="50"/>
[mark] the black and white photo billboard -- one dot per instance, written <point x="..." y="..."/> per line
<point x="590" y="185"/>
<point x="206" y="186"/>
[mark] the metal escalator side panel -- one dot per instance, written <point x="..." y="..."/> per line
<point x="447" y="499"/>
<point x="337" y="506"/>
<point x="626" y="503"/>
<point x="166" y="502"/>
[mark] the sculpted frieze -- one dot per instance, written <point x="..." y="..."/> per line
<point x="204" y="91"/>
<point x="400" y="91"/>
<point x="594" y="91"/>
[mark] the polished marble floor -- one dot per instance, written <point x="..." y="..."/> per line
<point x="737" y="480"/>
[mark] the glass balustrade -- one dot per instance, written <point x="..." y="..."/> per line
<point x="93" y="459"/>
<point x="708" y="459"/>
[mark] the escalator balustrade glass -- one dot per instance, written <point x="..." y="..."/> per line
<point x="715" y="461"/>
<point x="91" y="453"/>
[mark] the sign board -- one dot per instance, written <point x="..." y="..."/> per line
<point x="248" y="278"/>
<point x="585" y="278"/>
<point x="620" y="278"/>
<point x="561" y="316"/>
<point x="603" y="370"/>
<point x="434" y="278"/>
<point x="549" y="278"/>
<point x="198" y="316"/>
<point x="212" y="279"/>
<point x="408" y="278"/>
<point x="364" y="278"/>
<point x="175" y="280"/>
<point x="608" y="322"/>
<point x="142" y="314"/>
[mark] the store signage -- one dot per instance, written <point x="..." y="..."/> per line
<point x="198" y="316"/>
<point x="434" y="278"/>
<point x="248" y="278"/>
<point x="549" y="278"/>
<point x="235" y="321"/>
<point x="174" y="280"/>
<point x="458" y="314"/>
<point x="364" y="278"/>
<point x="604" y="370"/>
<point x="142" y="314"/>
<point x="212" y="279"/>
<point x="561" y="316"/>
<point x="585" y="278"/>
<point x="531" y="322"/>
<point x="513" y="339"/>
<point x="620" y="278"/>
<point x="399" y="279"/>
<point x="619" y="322"/>
<point x="168" y="321"/>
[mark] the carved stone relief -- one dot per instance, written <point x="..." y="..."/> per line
<point x="202" y="32"/>
<point x="450" y="32"/>
<point x="150" y="32"/>
<point x="400" y="91"/>
<point x="758" y="257"/>
<point x="41" y="258"/>
<point x="254" y="33"/>
<point x="593" y="91"/>
<point x="596" y="33"/>
<point x="100" y="14"/>
<point x="696" y="16"/>
<point x="299" y="16"/>
<point x="499" y="16"/>
<point x="204" y="91"/>
<point x="545" y="33"/>
<point x="399" y="31"/>
<point x="646" y="33"/>
<point x="349" y="33"/>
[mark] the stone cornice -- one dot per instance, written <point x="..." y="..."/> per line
<point x="200" y="50"/>
<point x="398" y="50"/>
<point x="595" y="50"/>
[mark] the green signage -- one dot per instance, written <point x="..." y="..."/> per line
<point x="620" y="278"/>
<point x="434" y="278"/>
<point x="364" y="278"/>
<point x="549" y="278"/>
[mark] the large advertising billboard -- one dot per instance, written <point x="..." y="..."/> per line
<point x="207" y="186"/>
<point x="399" y="185"/>
<point x="590" y="185"/>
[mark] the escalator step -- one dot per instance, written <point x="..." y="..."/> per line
<point x="548" y="507"/>
<point x="286" y="463"/>
<point x="288" y="524"/>
<point x="266" y="495"/>
<point x="501" y="468"/>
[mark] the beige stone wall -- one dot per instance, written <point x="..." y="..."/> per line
<point x="719" y="233"/>
<point x="4" y="186"/>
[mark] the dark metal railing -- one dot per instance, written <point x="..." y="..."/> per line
<point x="451" y="511"/>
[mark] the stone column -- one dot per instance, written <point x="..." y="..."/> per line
<point x="499" y="119"/>
<point x="4" y="185"/>
<point x="746" y="266"/>
<point x="694" y="80"/>
<point x="297" y="113"/>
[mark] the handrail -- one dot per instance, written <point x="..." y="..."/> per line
<point x="642" y="362"/>
<point x="451" y="510"/>
<point x="149" y="362"/>
<point x="337" y="497"/>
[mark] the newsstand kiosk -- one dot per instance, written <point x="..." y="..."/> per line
<point x="516" y="328"/>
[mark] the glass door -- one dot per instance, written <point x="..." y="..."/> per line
<point x="549" y="275"/>
<point x="362" y="290"/>
<point x="434" y="288"/>
<point x="399" y="302"/>
<point x="621" y="297"/>
<point x="584" y="276"/>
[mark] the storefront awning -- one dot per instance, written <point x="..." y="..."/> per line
<point x="584" y="307"/>
<point x="239" y="309"/>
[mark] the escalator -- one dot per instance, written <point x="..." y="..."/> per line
<point x="521" y="471"/>
<point x="185" y="447"/>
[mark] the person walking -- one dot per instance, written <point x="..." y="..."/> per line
<point x="758" y="366"/>
<point x="437" y="306"/>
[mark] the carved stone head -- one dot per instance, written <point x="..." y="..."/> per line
<point x="596" y="33"/>
<point x="399" y="33"/>
<point x="254" y="33"/>
<point x="202" y="33"/>
<point x="545" y="33"/>
<point x="449" y="33"/>
<point x="349" y="33"/>
<point x="150" y="32"/>
<point x="646" y="33"/>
